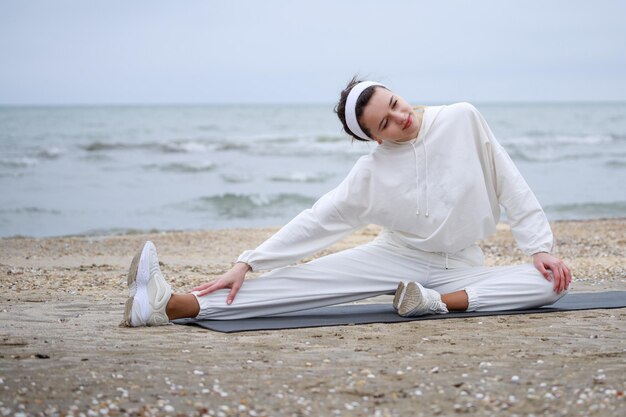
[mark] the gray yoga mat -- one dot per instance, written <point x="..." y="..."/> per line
<point x="384" y="313"/>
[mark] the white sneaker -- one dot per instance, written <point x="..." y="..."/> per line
<point x="148" y="291"/>
<point x="415" y="300"/>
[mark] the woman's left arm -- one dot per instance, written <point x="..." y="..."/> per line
<point x="529" y="224"/>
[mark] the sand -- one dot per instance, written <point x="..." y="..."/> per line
<point x="62" y="352"/>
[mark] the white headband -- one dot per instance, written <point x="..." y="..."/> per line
<point x="350" y="112"/>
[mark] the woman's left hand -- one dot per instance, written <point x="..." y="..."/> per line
<point x="560" y="272"/>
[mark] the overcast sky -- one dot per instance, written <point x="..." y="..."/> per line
<point x="122" y="51"/>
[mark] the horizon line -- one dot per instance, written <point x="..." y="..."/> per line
<point x="296" y="103"/>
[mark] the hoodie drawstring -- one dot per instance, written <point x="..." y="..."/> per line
<point x="417" y="177"/>
<point x="417" y="212"/>
<point x="426" y="163"/>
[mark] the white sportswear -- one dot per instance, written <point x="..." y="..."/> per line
<point x="434" y="196"/>
<point x="445" y="210"/>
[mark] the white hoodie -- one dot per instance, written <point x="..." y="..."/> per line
<point x="440" y="192"/>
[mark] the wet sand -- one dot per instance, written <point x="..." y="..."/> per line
<point x="62" y="352"/>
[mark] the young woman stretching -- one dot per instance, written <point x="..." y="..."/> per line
<point x="434" y="183"/>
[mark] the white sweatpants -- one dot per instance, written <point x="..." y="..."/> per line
<point x="374" y="269"/>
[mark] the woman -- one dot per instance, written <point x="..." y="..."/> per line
<point x="435" y="184"/>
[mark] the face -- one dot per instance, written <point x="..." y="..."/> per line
<point x="388" y="116"/>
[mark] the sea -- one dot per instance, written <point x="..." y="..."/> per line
<point x="102" y="170"/>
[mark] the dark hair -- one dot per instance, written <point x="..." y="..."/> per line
<point x="364" y="98"/>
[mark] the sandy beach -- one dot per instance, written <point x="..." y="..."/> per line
<point x="62" y="352"/>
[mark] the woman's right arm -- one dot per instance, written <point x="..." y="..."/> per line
<point x="334" y="216"/>
<point x="310" y="231"/>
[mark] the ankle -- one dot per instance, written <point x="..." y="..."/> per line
<point x="171" y="307"/>
<point x="456" y="301"/>
<point x="182" y="306"/>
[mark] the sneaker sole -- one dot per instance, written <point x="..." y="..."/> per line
<point x="397" y="299"/>
<point x="132" y="289"/>
<point x="412" y="299"/>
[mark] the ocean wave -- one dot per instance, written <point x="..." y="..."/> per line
<point x="11" y="174"/>
<point x="299" y="138"/>
<point x="30" y="210"/>
<point x="550" y="154"/>
<point x="209" y="128"/>
<point x="236" y="177"/>
<point x="174" y="146"/>
<point x="261" y="145"/>
<point x="237" y="206"/>
<point x="275" y="139"/>
<point x="98" y="146"/>
<point x="50" y="153"/>
<point x="232" y="147"/>
<point x="301" y="177"/>
<point x="19" y="162"/>
<point x="616" y="163"/>
<point x="184" y="147"/>
<point x="31" y="157"/>
<point x="187" y="167"/>
<point x="306" y="150"/>
<point x="330" y="138"/>
<point x="547" y="139"/>
<point x="587" y="210"/>
<point x="96" y="157"/>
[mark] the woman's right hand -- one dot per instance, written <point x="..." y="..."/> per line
<point x="232" y="279"/>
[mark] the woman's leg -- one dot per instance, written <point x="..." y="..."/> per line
<point x="496" y="288"/>
<point x="370" y="270"/>
<point x="187" y="306"/>
<point x="464" y="283"/>
<point x="353" y="274"/>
